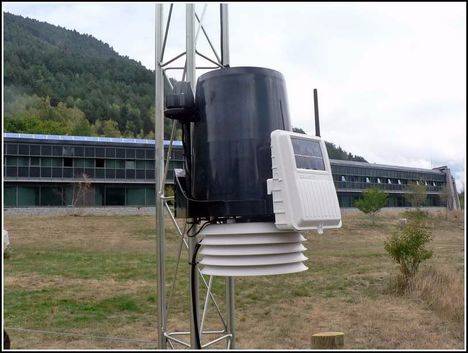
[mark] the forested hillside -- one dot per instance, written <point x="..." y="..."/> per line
<point x="59" y="81"/>
<point x="51" y="71"/>
<point x="335" y="152"/>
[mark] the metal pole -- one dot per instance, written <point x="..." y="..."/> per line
<point x="190" y="44"/>
<point x="224" y="34"/>
<point x="230" y="284"/>
<point x="231" y="311"/>
<point x="159" y="177"/>
<point x="192" y="240"/>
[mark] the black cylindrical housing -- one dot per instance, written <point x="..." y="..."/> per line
<point x="238" y="108"/>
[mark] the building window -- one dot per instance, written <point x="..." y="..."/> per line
<point x="24" y="149"/>
<point x="129" y="164"/>
<point x="99" y="163"/>
<point x="136" y="196"/>
<point x="115" y="196"/>
<point x="35" y="150"/>
<point x="52" y="196"/>
<point x="130" y="153"/>
<point x="79" y="151"/>
<point x="9" y="197"/>
<point x="57" y="151"/>
<point x="119" y="163"/>
<point x="46" y="162"/>
<point x="100" y="152"/>
<point x="23" y="161"/>
<point x="150" y="196"/>
<point x="89" y="151"/>
<point x="110" y="152"/>
<point x="140" y="153"/>
<point x="34" y="172"/>
<point x="140" y="165"/>
<point x="11" y="161"/>
<point x="11" y="148"/>
<point x="149" y="165"/>
<point x="46" y="150"/>
<point x="110" y="163"/>
<point x="68" y="151"/>
<point x="149" y="153"/>
<point x="35" y="161"/>
<point x="28" y="196"/>
<point x="68" y="162"/>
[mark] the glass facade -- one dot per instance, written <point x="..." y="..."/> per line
<point x="32" y="160"/>
<point x="52" y="173"/>
<point x="32" y="195"/>
<point x="45" y="172"/>
<point x="351" y="179"/>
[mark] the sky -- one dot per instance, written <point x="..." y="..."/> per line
<point x="391" y="77"/>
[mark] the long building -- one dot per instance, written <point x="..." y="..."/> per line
<point x="53" y="170"/>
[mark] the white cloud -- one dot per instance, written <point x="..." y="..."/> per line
<point x="391" y="76"/>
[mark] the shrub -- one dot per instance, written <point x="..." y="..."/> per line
<point x="407" y="247"/>
<point x="417" y="194"/>
<point x="416" y="215"/>
<point x="371" y="202"/>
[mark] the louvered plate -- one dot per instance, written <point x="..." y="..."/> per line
<point x="243" y="228"/>
<point x="246" y="239"/>
<point x="253" y="260"/>
<point x="253" y="271"/>
<point x="239" y="250"/>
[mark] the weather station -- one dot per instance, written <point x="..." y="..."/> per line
<point x="249" y="185"/>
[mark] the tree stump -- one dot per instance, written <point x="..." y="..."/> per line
<point x="330" y="340"/>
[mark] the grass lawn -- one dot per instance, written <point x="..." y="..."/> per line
<point x="97" y="276"/>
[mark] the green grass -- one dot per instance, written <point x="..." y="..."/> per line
<point x="98" y="275"/>
<point x="85" y="264"/>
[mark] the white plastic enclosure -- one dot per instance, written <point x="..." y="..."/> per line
<point x="304" y="195"/>
<point x="251" y="249"/>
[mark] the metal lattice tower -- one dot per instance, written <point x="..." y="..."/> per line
<point x="193" y="27"/>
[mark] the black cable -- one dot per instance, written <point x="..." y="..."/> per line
<point x="199" y="230"/>
<point x="189" y="229"/>
<point x="192" y="280"/>
<point x="194" y="301"/>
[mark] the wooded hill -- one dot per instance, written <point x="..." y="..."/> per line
<point x="59" y="81"/>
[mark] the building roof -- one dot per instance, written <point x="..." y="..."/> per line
<point x="65" y="138"/>
<point x="382" y="166"/>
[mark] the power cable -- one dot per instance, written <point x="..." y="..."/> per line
<point x="194" y="301"/>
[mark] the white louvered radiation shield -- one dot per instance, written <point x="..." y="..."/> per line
<point x="250" y="249"/>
